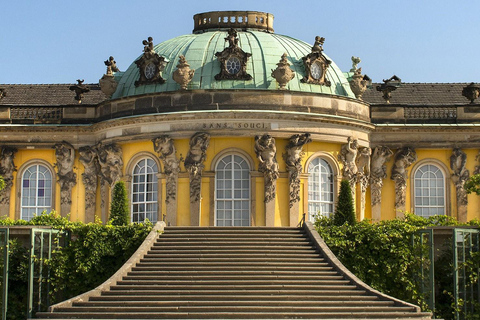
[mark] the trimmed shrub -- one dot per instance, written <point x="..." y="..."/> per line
<point x="345" y="211"/>
<point x="119" y="211"/>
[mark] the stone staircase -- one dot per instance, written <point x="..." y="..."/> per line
<point x="234" y="273"/>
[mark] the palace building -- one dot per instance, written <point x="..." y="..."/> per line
<point x="235" y="125"/>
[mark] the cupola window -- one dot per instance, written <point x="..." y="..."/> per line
<point x="233" y="65"/>
<point x="150" y="71"/>
<point x="316" y="70"/>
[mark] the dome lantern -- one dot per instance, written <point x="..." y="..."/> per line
<point x="224" y="20"/>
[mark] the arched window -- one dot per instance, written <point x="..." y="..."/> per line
<point x="36" y="191"/>
<point x="144" y="191"/>
<point x="429" y="186"/>
<point x="320" y="188"/>
<point x="232" y="191"/>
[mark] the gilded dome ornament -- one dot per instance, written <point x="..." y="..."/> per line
<point x="316" y="64"/>
<point x="150" y="65"/>
<point x="283" y="73"/>
<point x="183" y="74"/>
<point x="233" y="60"/>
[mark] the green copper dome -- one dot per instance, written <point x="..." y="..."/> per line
<point x="265" y="47"/>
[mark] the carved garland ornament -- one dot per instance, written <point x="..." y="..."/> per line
<point x="293" y="160"/>
<point x="316" y="64"/>
<point x="150" y="65"/>
<point x="233" y="60"/>
<point x="266" y="152"/>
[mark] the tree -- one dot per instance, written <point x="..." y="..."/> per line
<point x="345" y="211"/>
<point x="2" y="183"/>
<point x="473" y="184"/>
<point x="119" y="211"/>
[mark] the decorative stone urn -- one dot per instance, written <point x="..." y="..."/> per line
<point x="183" y="74"/>
<point x="283" y="74"/>
<point x="358" y="84"/>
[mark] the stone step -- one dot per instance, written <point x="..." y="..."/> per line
<point x="236" y="230"/>
<point x="232" y="244"/>
<point x="234" y="281"/>
<point x="217" y="303"/>
<point x="156" y="285"/>
<point x="223" y="273"/>
<point x="330" y="293"/>
<point x="226" y="265"/>
<point x="250" y="275"/>
<point x="231" y="235"/>
<point x="314" y="297"/>
<point x="237" y="315"/>
<point x="242" y="249"/>
<point x="230" y="261"/>
<point x="235" y="255"/>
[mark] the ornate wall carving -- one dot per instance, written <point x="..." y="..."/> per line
<point x="110" y="162"/>
<point x="363" y="167"/>
<point x="348" y="156"/>
<point x="7" y="167"/>
<point x="460" y="174"/>
<point x="316" y="64"/>
<point x="89" y="159"/>
<point x="293" y="160"/>
<point x="233" y="60"/>
<point x="266" y="152"/>
<point x="150" y="65"/>
<point x="378" y="172"/>
<point x="194" y="162"/>
<point x="404" y="158"/>
<point x="65" y="156"/>
<point x="165" y="148"/>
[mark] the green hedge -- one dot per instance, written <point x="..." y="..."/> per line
<point x="382" y="255"/>
<point x="94" y="253"/>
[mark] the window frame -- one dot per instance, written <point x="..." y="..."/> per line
<point x="446" y="178"/>
<point x="159" y="176"/>
<point x="332" y="162"/>
<point x="19" y="184"/>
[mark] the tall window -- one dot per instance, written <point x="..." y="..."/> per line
<point x="145" y="191"/>
<point x="232" y="196"/>
<point x="429" y="185"/>
<point x="320" y="189"/>
<point x="36" y="191"/>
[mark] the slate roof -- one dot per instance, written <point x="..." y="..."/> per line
<point x="420" y="94"/>
<point x="47" y="95"/>
<point x="414" y="94"/>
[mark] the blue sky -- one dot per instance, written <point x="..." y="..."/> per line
<point x="419" y="41"/>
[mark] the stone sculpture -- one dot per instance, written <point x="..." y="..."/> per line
<point x="110" y="162"/>
<point x="363" y="175"/>
<point x="165" y="148"/>
<point x="378" y="172"/>
<point x="348" y="156"/>
<point x="266" y="152"/>
<point x="79" y="89"/>
<point x="65" y="156"/>
<point x="233" y="55"/>
<point x="404" y="158"/>
<point x="150" y="65"/>
<point x="293" y="160"/>
<point x="460" y="174"/>
<point x="88" y="157"/>
<point x="183" y="74"/>
<point x="316" y="65"/>
<point x="7" y="168"/>
<point x="194" y="162"/>
<point x="283" y="73"/>
<point x="358" y="84"/>
<point x="108" y="85"/>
